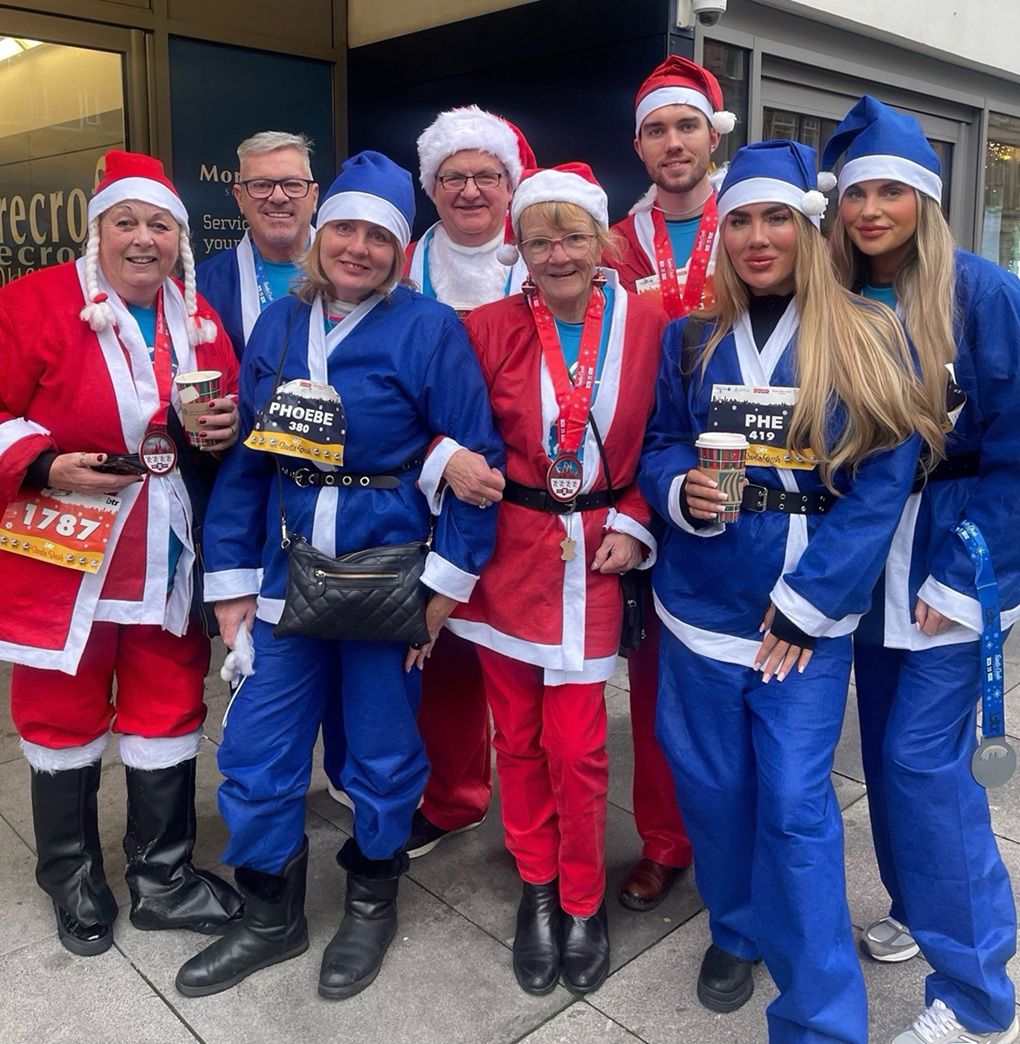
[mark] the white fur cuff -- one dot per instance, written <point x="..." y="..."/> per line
<point x="158" y="752"/>
<point x="51" y="759"/>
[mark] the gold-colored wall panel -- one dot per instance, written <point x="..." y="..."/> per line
<point x="310" y="24"/>
<point x="372" y="20"/>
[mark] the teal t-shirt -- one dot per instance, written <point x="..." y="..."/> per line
<point x="681" y="238"/>
<point x="882" y="292"/>
<point x="281" y="275"/>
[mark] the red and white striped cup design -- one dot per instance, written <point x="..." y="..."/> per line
<point x="723" y="453"/>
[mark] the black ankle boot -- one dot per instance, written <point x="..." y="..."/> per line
<point x="70" y="865"/>
<point x="272" y="929"/>
<point x="355" y="954"/>
<point x="167" y="889"/>
<point x="726" y="981"/>
<point x="584" y="950"/>
<point x="536" y="957"/>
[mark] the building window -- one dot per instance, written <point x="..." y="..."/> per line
<point x="61" y="108"/>
<point x="1000" y="231"/>
<point x="730" y="67"/>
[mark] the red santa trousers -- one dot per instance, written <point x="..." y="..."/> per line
<point x="453" y="720"/>
<point x="656" y="816"/>
<point x="160" y="681"/>
<point x="553" y="777"/>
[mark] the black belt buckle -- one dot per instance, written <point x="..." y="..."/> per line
<point x="754" y="498"/>
<point x="567" y="507"/>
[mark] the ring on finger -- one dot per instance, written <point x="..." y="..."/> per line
<point x="483" y="503"/>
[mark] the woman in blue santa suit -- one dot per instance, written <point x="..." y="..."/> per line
<point x="404" y="373"/>
<point x="918" y="657"/>
<point x="821" y="384"/>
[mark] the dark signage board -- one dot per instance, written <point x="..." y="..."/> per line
<point x="220" y="95"/>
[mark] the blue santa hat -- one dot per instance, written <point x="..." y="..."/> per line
<point x="880" y="142"/>
<point x="371" y="187"/>
<point x="775" y="171"/>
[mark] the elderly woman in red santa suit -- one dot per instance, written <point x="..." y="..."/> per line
<point x="570" y="368"/>
<point x="100" y="495"/>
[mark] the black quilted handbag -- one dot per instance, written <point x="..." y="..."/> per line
<point x="374" y="595"/>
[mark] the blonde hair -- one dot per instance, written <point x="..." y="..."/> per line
<point x="852" y="363"/>
<point x="925" y="288"/>
<point x="314" y="283"/>
<point x="559" y="213"/>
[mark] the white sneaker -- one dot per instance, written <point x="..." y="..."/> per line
<point x="889" y="940"/>
<point x="938" y="1025"/>
<point x="341" y="797"/>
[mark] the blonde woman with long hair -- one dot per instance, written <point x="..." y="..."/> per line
<point x="919" y="654"/>
<point x="758" y="612"/>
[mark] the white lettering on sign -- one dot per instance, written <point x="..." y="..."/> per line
<point x="213" y="173"/>
<point x="285" y="409"/>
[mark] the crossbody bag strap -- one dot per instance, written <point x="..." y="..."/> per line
<point x="284" y="538"/>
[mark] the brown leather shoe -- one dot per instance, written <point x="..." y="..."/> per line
<point x="647" y="884"/>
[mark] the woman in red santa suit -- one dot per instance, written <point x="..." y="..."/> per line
<point x="570" y="368"/>
<point x="101" y="498"/>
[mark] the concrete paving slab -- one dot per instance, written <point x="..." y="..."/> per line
<point x="580" y="1024"/>
<point x="54" y="997"/>
<point x="26" y="915"/>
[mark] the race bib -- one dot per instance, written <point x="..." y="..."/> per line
<point x="303" y="419"/>
<point x="66" y="529"/>
<point x="762" y="415"/>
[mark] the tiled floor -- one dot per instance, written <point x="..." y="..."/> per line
<point x="447" y="977"/>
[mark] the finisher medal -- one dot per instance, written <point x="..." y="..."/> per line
<point x="564" y="477"/>
<point x="158" y="452"/>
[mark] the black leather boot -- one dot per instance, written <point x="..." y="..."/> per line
<point x="70" y="865"/>
<point x="584" y="950"/>
<point x="272" y="929"/>
<point x="726" y="981"/>
<point x="167" y="890"/>
<point x="355" y="954"/>
<point x="536" y="945"/>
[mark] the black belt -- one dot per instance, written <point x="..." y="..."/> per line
<point x="959" y="465"/>
<point x="541" y="500"/>
<point x="761" y="498"/>
<point x="315" y="477"/>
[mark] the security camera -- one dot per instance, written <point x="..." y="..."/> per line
<point x="708" y="12"/>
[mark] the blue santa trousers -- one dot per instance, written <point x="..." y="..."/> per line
<point x="270" y="729"/>
<point x="930" y="821"/>
<point x="751" y="762"/>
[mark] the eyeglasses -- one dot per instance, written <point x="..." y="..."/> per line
<point x="487" y="179"/>
<point x="263" y="188"/>
<point x="575" y="244"/>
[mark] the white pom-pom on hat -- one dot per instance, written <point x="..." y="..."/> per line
<point x="814" y="203"/>
<point x="508" y="254"/>
<point x="826" y="181"/>
<point x="723" y="121"/>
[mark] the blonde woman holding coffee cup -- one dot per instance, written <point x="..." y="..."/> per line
<point x="758" y="611"/>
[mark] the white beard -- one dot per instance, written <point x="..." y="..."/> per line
<point x="466" y="276"/>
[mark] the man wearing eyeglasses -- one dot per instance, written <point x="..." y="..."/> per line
<point x="471" y="162"/>
<point x="276" y="195"/>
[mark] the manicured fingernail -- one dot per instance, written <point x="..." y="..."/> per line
<point x="766" y="678"/>
<point x="781" y="675"/>
<point x="800" y="668"/>
<point x="201" y="420"/>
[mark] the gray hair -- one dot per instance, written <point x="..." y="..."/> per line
<point x="270" y="141"/>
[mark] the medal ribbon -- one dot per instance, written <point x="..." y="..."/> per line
<point x="265" y="291"/>
<point x="162" y="366"/>
<point x="675" y="305"/>
<point x="574" y="399"/>
<point x="992" y="721"/>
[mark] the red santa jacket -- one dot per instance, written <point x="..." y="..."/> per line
<point x="67" y="389"/>
<point x="529" y="603"/>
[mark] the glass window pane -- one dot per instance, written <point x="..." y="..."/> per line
<point x="1000" y="233"/>
<point x="61" y="108"/>
<point x="730" y="67"/>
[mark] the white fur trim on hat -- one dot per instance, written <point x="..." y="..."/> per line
<point x="466" y="128"/>
<point x="549" y="186"/>
<point x="363" y="206"/>
<point x="670" y="96"/>
<point x="143" y="189"/>
<point x="891" y="168"/>
<point x="771" y="190"/>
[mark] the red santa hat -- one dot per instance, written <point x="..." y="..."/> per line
<point x="567" y="183"/>
<point x="134" y="176"/>
<point x="678" y="81"/>
<point x="470" y="127"/>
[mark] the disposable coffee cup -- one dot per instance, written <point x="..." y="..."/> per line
<point x="196" y="389"/>
<point x="722" y="454"/>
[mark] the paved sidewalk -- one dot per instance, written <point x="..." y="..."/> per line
<point x="447" y="977"/>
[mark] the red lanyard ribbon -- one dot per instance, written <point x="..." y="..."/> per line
<point x="574" y="398"/>
<point x="675" y="305"/>
<point x="162" y="365"/>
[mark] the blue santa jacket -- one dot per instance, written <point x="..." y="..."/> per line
<point x="405" y="374"/>
<point x="218" y="281"/>
<point x="927" y="559"/>
<point x="713" y="584"/>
